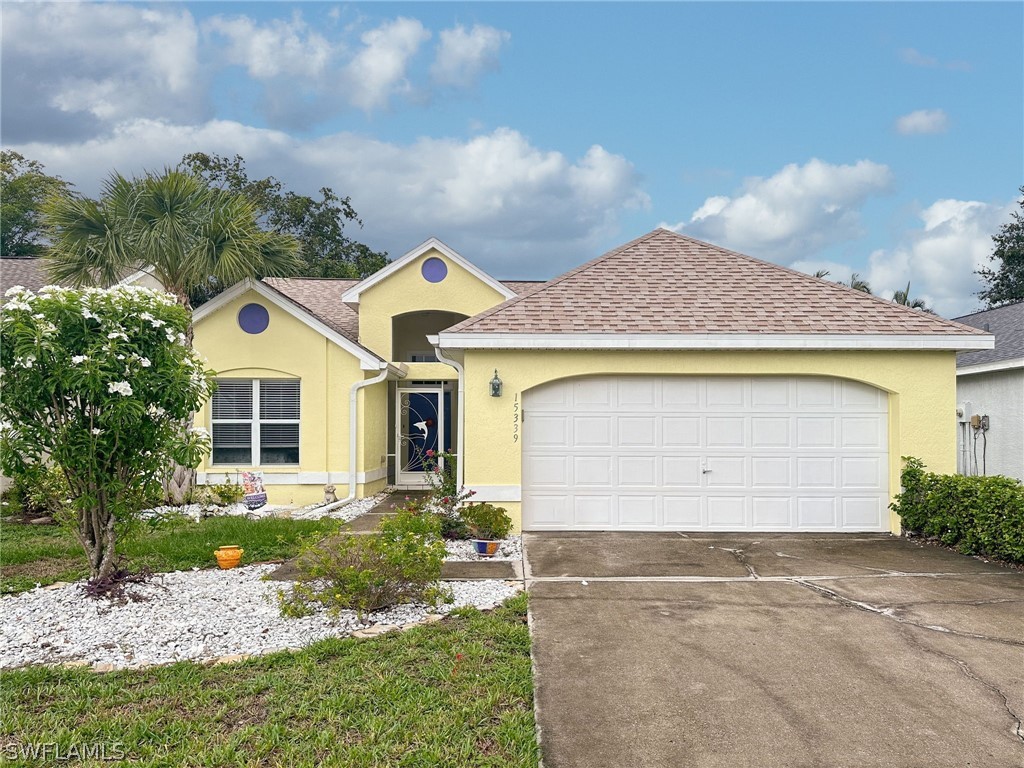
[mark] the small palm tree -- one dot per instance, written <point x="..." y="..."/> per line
<point x="903" y="297"/>
<point x="822" y="273"/>
<point x="858" y="283"/>
<point x="177" y="227"/>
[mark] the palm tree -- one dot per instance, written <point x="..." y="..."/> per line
<point x="822" y="273"/>
<point x="857" y="283"/>
<point x="903" y="297"/>
<point x="177" y="227"/>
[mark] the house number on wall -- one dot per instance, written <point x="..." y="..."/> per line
<point x="515" y="419"/>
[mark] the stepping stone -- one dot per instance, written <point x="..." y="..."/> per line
<point x="478" y="570"/>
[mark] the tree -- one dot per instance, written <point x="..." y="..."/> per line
<point x="822" y="273"/>
<point x="902" y="296"/>
<point x="318" y="224"/>
<point x="174" y="224"/>
<point x="857" y="283"/>
<point x="185" y="232"/>
<point x="1006" y="279"/>
<point x="99" y="383"/>
<point x="24" y="189"/>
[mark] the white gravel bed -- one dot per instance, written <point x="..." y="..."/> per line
<point x="509" y="549"/>
<point x="197" y="512"/>
<point x="198" y="615"/>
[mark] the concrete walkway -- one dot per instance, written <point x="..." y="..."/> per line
<point x="773" y="650"/>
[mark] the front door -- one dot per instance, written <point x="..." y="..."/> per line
<point x="420" y="422"/>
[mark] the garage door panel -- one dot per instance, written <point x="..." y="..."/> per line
<point x="592" y="431"/>
<point x="638" y="511"/>
<point x="638" y="431"/>
<point x="725" y="432"/>
<point x="630" y="452"/>
<point x="680" y="471"/>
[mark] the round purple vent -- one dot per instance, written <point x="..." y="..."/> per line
<point x="253" y="318"/>
<point x="434" y="270"/>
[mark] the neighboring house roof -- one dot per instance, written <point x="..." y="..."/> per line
<point x="352" y="295"/>
<point x="27" y="273"/>
<point x="672" y="286"/>
<point x="1007" y="324"/>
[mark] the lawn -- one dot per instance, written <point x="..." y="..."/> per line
<point x="43" y="554"/>
<point x="455" y="693"/>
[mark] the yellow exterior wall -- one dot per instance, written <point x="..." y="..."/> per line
<point x="291" y="349"/>
<point x="407" y="291"/>
<point x="921" y="387"/>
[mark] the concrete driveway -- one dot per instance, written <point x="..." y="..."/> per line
<point x="773" y="650"/>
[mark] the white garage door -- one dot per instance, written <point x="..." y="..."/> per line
<point x="715" y="453"/>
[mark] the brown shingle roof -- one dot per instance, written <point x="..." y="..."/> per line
<point x="28" y="273"/>
<point x="666" y="283"/>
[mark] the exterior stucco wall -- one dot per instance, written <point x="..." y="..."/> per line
<point x="406" y="290"/>
<point x="289" y="349"/>
<point x="921" y="387"/>
<point x="1000" y="396"/>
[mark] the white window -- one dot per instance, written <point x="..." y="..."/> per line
<point x="256" y="422"/>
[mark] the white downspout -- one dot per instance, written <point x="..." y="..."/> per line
<point x="460" y="423"/>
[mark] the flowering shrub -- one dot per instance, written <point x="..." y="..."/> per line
<point x="447" y="496"/>
<point x="400" y="564"/>
<point x="98" y="383"/>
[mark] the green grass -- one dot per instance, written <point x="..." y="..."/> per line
<point x="455" y="693"/>
<point x="43" y="554"/>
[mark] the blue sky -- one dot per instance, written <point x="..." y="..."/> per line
<point x="880" y="138"/>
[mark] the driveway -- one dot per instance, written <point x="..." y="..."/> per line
<point x="773" y="650"/>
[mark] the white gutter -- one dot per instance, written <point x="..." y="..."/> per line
<point x="460" y="423"/>
<point x="353" y="431"/>
<point x="999" y="365"/>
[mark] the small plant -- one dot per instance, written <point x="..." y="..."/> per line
<point x="38" y="492"/>
<point x="447" y="497"/>
<point x="365" y="573"/>
<point x="227" y="493"/>
<point x="115" y="585"/>
<point x="486" y="521"/>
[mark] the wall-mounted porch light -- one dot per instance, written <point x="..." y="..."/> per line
<point x="495" y="385"/>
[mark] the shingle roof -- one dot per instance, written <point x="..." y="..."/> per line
<point x="321" y="297"/>
<point x="1007" y="324"/>
<point x="25" y="272"/>
<point x="666" y="283"/>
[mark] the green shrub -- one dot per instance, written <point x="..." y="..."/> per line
<point x="38" y="492"/>
<point x="486" y="521"/>
<point x="978" y="515"/>
<point x="366" y="573"/>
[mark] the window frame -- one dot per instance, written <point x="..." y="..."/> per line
<point x="254" y="422"/>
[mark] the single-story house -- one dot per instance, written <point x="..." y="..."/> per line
<point x="669" y="384"/>
<point x="990" y="396"/>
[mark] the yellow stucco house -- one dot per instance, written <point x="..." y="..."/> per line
<point x="667" y="385"/>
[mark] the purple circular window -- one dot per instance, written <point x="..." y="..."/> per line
<point x="253" y="318"/>
<point x="434" y="270"/>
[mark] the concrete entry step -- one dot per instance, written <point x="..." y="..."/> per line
<point x="478" y="570"/>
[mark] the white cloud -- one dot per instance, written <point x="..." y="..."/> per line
<point x="793" y="214"/>
<point x="915" y="58"/>
<point x="516" y="209"/>
<point x="275" y="48"/>
<point x="463" y="55"/>
<point x="378" y="70"/>
<point x="939" y="258"/>
<point x="922" y="121"/>
<point x="68" y="68"/>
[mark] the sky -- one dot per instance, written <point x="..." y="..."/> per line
<point x="885" y="139"/>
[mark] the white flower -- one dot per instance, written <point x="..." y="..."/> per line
<point x="79" y="359"/>
<point x="16" y="290"/>
<point x="120" y="387"/>
<point x="25" y="362"/>
<point x="117" y="335"/>
<point x="16" y="304"/>
<point x="199" y="431"/>
<point x="88" y="315"/>
<point x="97" y="431"/>
<point x="144" y="362"/>
<point x="155" y="323"/>
<point x="170" y="337"/>
<point x="155" y="410"/>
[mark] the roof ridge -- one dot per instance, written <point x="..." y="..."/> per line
<point x="991" y="309"/>
<point x="469" y="322"/>
<point x="822" y="280"/>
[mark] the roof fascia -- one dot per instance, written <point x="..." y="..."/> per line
<point x="351" y="296"/>
<point x="998" y="365"/>
<point x="816" y="341"/>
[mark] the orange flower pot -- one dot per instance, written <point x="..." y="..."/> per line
<point x="229" y="556"/>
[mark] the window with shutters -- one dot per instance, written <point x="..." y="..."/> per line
<point x="255" y="422"/>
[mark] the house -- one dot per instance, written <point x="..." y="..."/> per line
<point x="667" y="385"/>
<point x="990" y="386"/>
<point x="29" y="272"/>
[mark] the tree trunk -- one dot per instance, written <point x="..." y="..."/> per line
<point x="181" y="480"/>
<point x="96" y="533"/>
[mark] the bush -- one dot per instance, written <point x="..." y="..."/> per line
<point x="38" y="493"/>
<point x="365" y="573"/>
<point x="486" y="521"/>
<point x="977" y="515"/>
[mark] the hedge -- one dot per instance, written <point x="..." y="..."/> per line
<point x="977" y="515"/>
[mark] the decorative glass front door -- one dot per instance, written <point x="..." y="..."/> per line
<point x="421" y="426"/>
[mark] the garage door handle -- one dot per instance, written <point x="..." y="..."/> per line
<point x="704" y="471"/>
